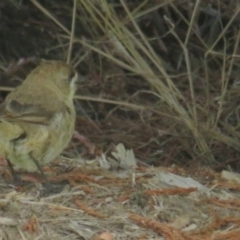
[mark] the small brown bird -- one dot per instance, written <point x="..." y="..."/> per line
<point x="37" y="118"/>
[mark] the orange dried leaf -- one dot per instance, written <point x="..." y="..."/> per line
<point x="73" y="176"/>
<point x="168" y="232"/>
<point x="105" y="236"/>
<point x="229" y="203"/>
<point x="171" y="191"/>
<point x="31" y="226"/>
<point x="89" y="210"/>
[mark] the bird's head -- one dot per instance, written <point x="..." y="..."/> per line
<point x="56" y="75"/>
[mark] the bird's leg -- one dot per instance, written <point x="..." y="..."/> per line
<point x="10" y="166"/>
<point x="49" y="188"/>
<point x="40" y="170"/>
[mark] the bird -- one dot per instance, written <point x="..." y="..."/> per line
<point x="37" y="118"/>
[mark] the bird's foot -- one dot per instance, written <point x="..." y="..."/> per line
<point x="50" y="188"/>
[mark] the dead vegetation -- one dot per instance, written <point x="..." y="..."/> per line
<point x="162" y="78"/>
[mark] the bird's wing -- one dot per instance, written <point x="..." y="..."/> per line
<point x="29" y="105"/>
<point x="14" y="111"/>
<point x="21" y="106"/>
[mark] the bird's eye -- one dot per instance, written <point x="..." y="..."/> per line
<point x="68" y="79"/>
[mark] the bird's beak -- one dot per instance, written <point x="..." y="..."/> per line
<point x="79" y="80"/>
